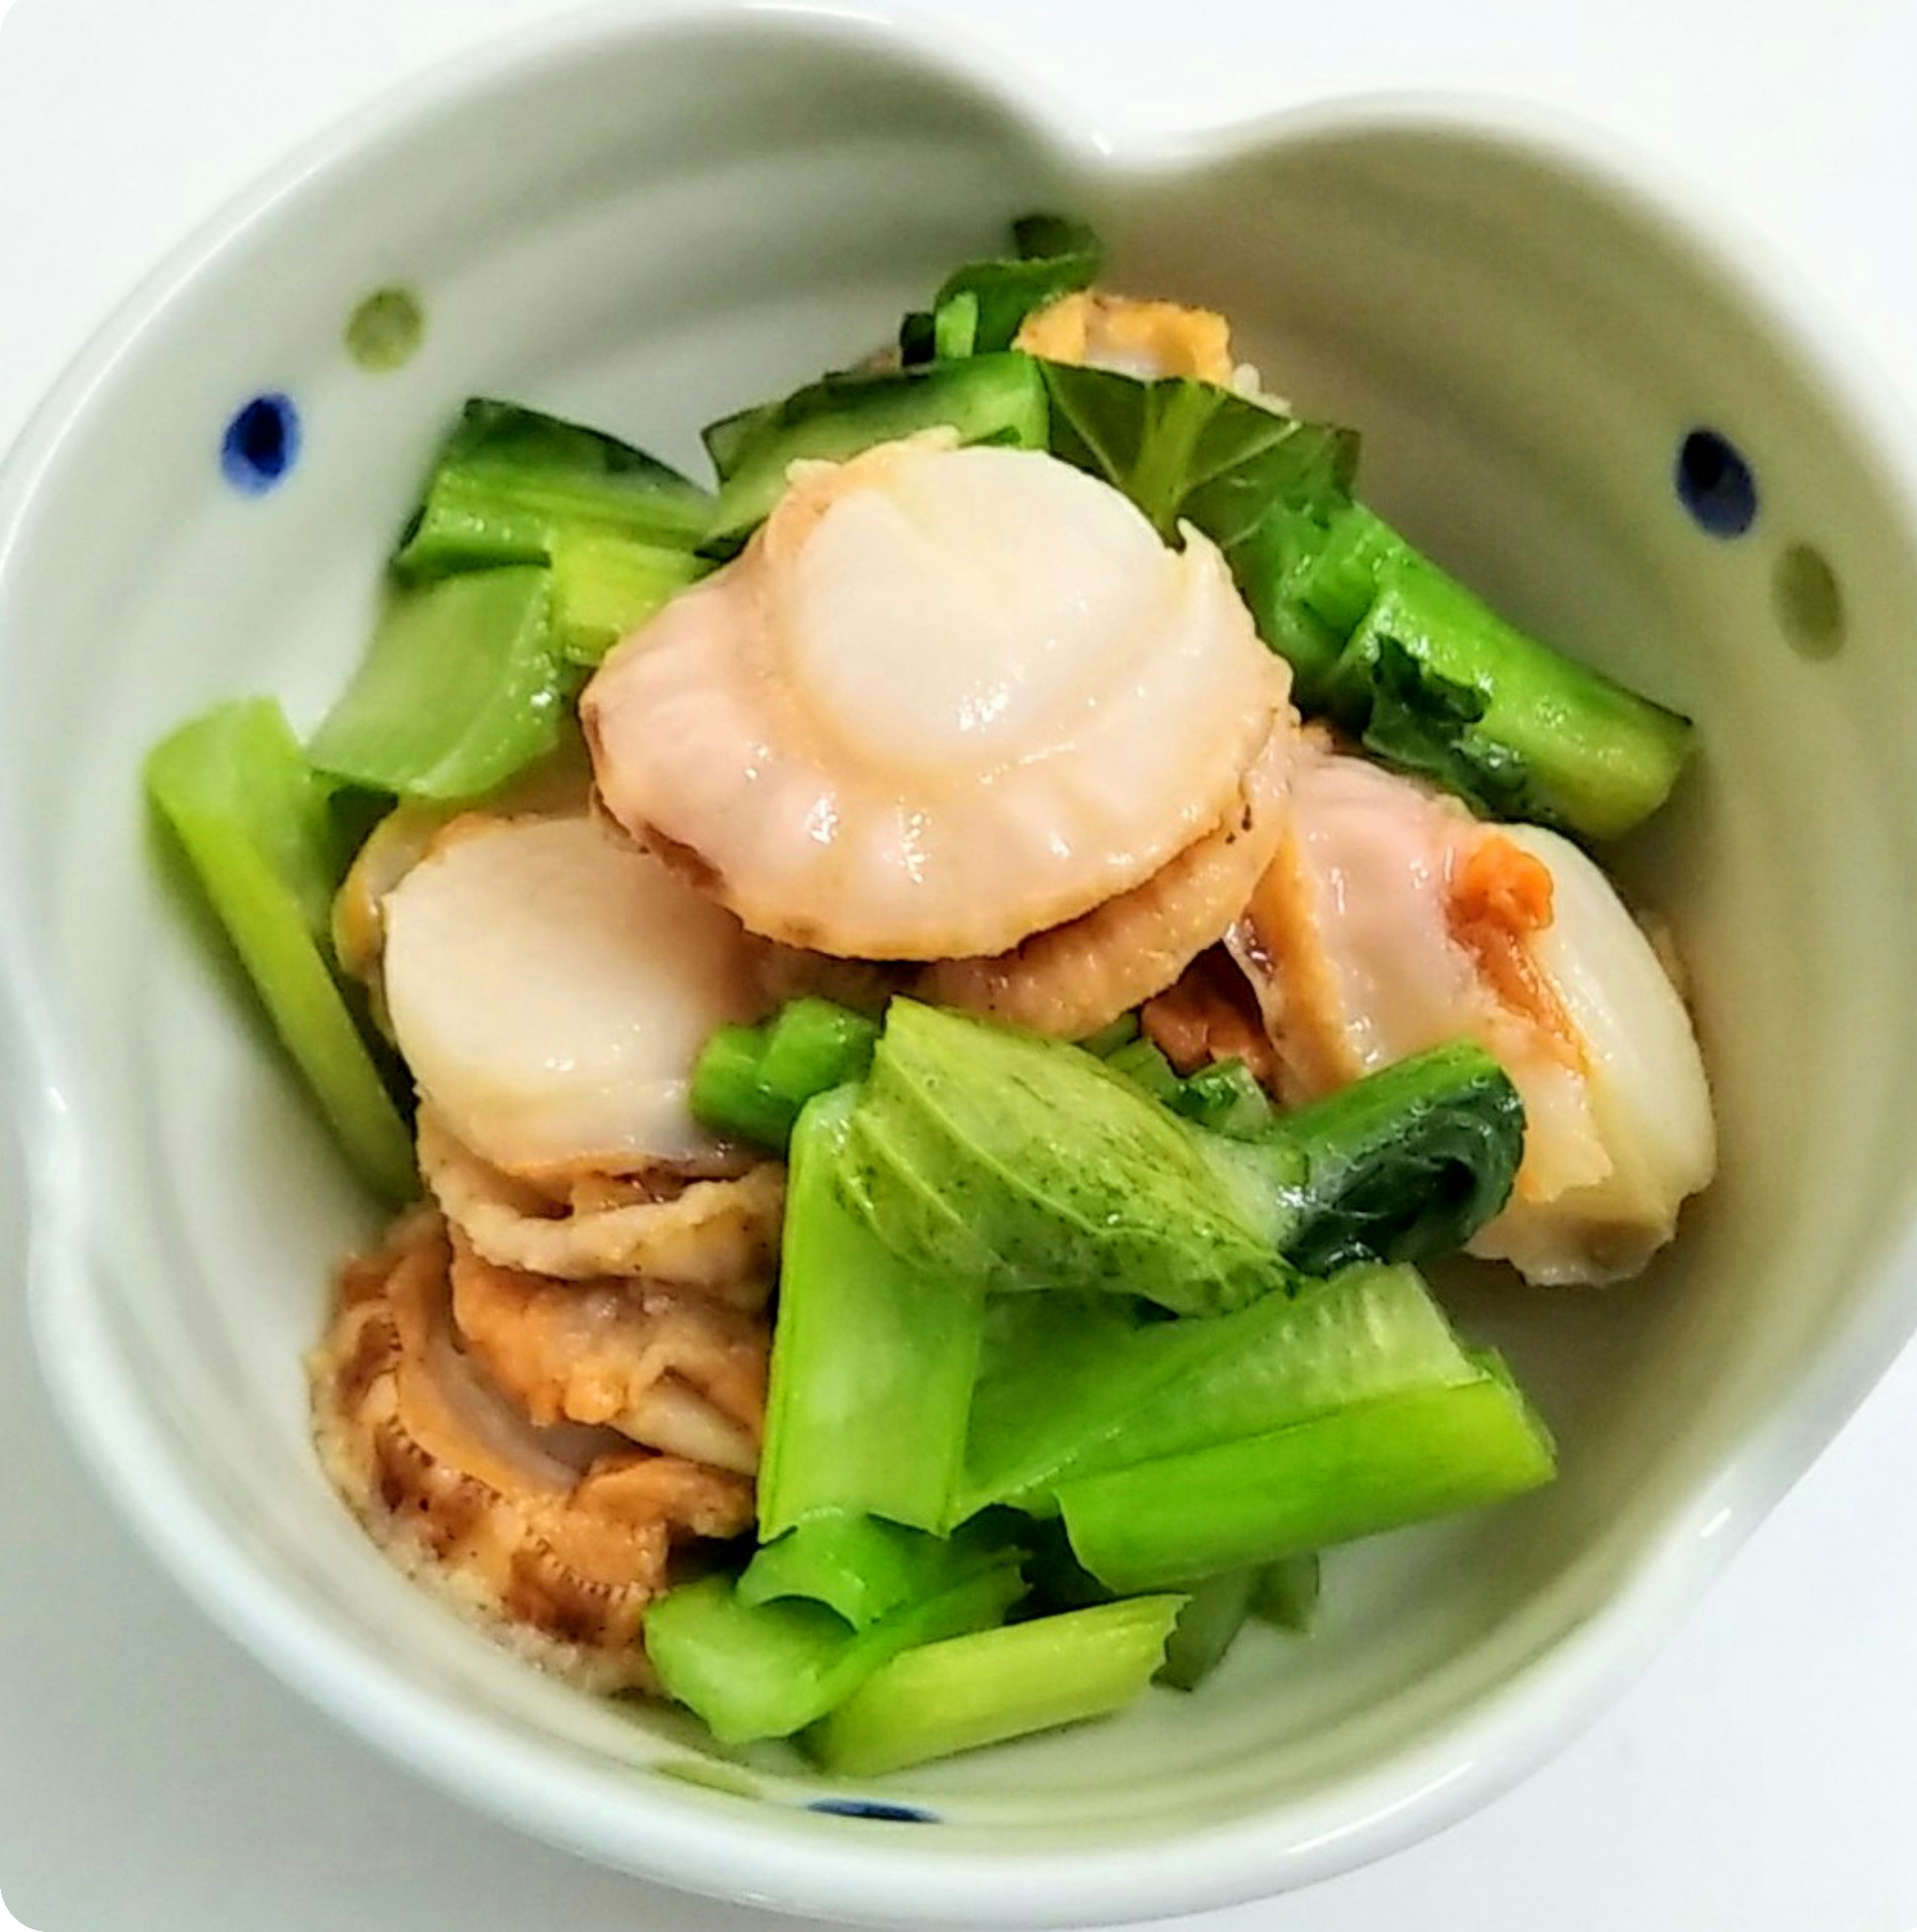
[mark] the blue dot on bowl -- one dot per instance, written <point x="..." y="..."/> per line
<point x="261" y="444"/>
<point x="868" y="1807"/>
<point x="1715" y="483"/>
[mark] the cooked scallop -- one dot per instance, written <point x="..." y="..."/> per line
<point x="711" y="1225"/>
<point x="1077" y="978"/>
<point x="550" y="987"/>
<point x="1391" y="920"/>
<point x="946" y="698"/>
<point x="553" y="1538"/>
<point x="673" y="1369"/>
<point x="1144" y="339"/>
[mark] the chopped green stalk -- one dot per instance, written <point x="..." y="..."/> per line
<point x="1224" y="1099"/>
<point x="766" y="1670"/>
<point x="955" y="327"/>
<point x="1144" y="1064"/>
<point x="999" y="399"/>
<point x="510" y="482"/>
<point x="253" y="819"/>
<point x="1288" y="1592"/>
<point x="1056" y="1580"/>
<point x="1066" y="1390"/>
<point x="968" y="1691"/>
<point x="729" y="1094"/>
<point x="1406" y="1164"/>
<point x="814" y="1046"/>
<point x="1351" y="1472"/>
<point x="1438" y="684"/>
<point x="1107" y="1040"/>
<point x="872" y="1360"/>
<point x="604" y="588"/>
<point x="864" y="1568"/>
<point x="1340" y="583"/>
<point x="1033" y="1165"/>
<point x="1215" y="1611"/>
<point x="459" y="691"/>
<point x="749" y="1083"/>
<point x="1268" y="564"/>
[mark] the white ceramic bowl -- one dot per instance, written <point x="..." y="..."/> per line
<point x="648" y="224"/>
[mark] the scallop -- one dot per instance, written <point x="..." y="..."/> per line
<point x="550" y="987"/>
<point x="946" y="698"/>
<point x="553" y="1539"/>
<point x="1142" y="339"/>
<point x="1391" y="920"/>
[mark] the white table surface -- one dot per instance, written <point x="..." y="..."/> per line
<point x="1760" y="1778"/>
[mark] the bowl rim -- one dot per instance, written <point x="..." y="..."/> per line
<point x="783" y="1858"/>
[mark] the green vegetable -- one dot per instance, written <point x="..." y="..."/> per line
<point x="1020" y="1163"/>
<point x="510" y="482"/>
<point x="1348" y="1473"/>
<point x="864" y="1568"/>
<point x="986" y="398"/>
<point x="1435" y="682"/>
<point x="256" y="822"/>
<point x="460" y="690"/>
<point x="1056" y="1580"/>
<point x="766" y="1670"/>
<point x="604" y="588"/>
<point x="980" y="1690"/>
<point x="1052" y="257"/>
<point x="955" y="327"/>
<point x="1406" y="1164"/>
<point x="749" y="1082"/>
<point x="1188" y="451"/>
<point x="1107" y="1040"/>
<point x="1215" y="1612"/>
<point x="872" y="1361"/>
<point x="1224" y="1099"/>
<point x="1144" y="1064"/>
<point x="1068" y="1387"/>
<point x="1287" y="1593"/>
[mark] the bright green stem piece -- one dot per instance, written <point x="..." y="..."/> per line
<point x="750" y="1082"/>
<point x="459" y="692"/>
<point x="968" y="1691"/>
<point x="604" y="587"/>
<point x="510" y="482"/>
<point x="766" y="1670"/>
<point x="1215" y="1611"/>
<point x="253" y="819"/>
<point x="864" y="1568"/>
<point x="1350" y="1473"/>
<point x="873" y="1359"/>
<point x="1437" y="683"/>
<point x="1288" y="1592"/>
<point x="1068" y="1388"/>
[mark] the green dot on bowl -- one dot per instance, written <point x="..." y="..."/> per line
<point x="384" y="331"/>
<point x="1809" y="602"/>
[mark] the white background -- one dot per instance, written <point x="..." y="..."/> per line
<point x="1762" y="1777"/>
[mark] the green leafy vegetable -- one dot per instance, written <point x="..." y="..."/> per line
<point x="1052" y="256"/>
<point x="986" y="398"/>
<point x="955" y="327"/>
<point x="511" y="482"/>
<point x="460" y="690"/>
<point x="1215" y="1612"/>
<point x="750" y="1082"/>
<point x="1067" y="1387"/>
<point x="1405" y="1165"/>
<point x="255" y="820"/>
<point x="604" y="588"/>
<point x="872" y="1360"/>
<point x="984" y="1152"/>
<point x="1188" y="451"/>
<point x="865" y="1568"/>
<point x="980" y="1690"/>
<point x="1436" y="682"/>
<point x="766" y="1670"/>
<point x="1348" y="1473"/>
<point x="1287" y="1593"/>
